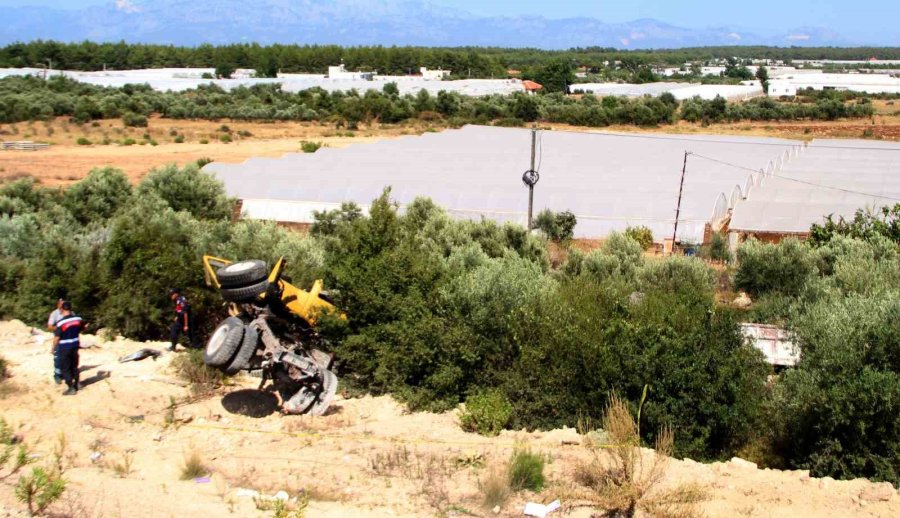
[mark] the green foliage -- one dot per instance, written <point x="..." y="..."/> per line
<point x="202" y="379"/>
<point x="782" y="268"/>
<point x="187" y="189"/>
<point x="718" y="249"/>
<point x="559" y="226"/>
<point x="643" y="236"/>
<point x="82" y="141"/>
<point x="864" y="225"/>
<point x="837" y="412"/>
<point x="98" y="196"/>
<point x="310" y="147"/>
<point x="39" y="489"/>
<point x="486" y="412"/>
<point x="135" y="120"/>
<point x="526" y="471"/>
<point x="225" y="138"/>
<point x="677" y="274"/>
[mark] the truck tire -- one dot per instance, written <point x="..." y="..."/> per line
<point x="245" y="293"/>
<point x="241" y="360"/>
<point x="224" y="342"/>
<point x="242" y="273"/>
<point x="326" y="396"/>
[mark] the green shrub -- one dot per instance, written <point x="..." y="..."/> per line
<point x="39" y="489"/>
<point x="836" y="413"/>
<point x="128" y="142"/>
<point x="204" y="141"/>
<point x="510" y="122"/>
<point x="98" y="196"/>
<point x="486" y="412"/>
<point x="179" y="139"/>
<point x="135" y="120"/>
<point x="718" y="248"/>
<point x="557" y="226"/>
<point x="187" y="189"/>
<point x="310" y="147"/>
<point x="225" y="138"/>
<point x="526" y="471"/>
<point x="201" y="378"/>
<point x="783" y="268"/>
<point x="643" y="236"/>
<point x="82" y="141"/>
<point x="678" y="274"/>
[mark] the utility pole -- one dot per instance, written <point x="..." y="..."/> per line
<point x="531" y="177"/>
<point x="678" y="207"/>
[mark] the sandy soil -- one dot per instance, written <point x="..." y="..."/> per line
<point x="368" y="457"/>
<point x="66" y="161"/>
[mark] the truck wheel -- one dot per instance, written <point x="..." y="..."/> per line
<point x="242" y="273"/>
<point x="224" y="342"/>
<point x="329" y="389"/>
<point x="246" y="293"/>
<point x="298" y="402"/>
<point x="241" y="360"/>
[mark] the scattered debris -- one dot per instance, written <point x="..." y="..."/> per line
<point x="247" y="493"/>
<point x="141" y="354"/>
<point x="202" y="480"/>
<point x="95" y="457"/>
<point x="541" y="510"/>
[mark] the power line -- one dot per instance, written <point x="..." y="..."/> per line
<point x="814" y="184"/>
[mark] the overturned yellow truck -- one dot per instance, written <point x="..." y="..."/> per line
<point x="271" y="331"/>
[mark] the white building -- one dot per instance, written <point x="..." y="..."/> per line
<point x="434" y="75"/>
<point x="341" y="72"/>
<point x="868" y="83"/>
<point x="782" y="89"/>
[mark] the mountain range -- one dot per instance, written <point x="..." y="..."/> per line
<point x="365" y="22"/>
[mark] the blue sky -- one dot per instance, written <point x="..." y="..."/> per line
<point x="860" y="19"/>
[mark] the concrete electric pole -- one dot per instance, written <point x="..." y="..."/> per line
<point x="531" y="177"/>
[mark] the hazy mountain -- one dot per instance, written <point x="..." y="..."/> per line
<point x="361" y="22"/>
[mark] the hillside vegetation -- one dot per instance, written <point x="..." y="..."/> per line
<point x="444" y="311"/>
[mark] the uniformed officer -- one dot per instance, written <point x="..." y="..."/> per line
<point x="66" y="342"/>
<point x="183" y="322"/>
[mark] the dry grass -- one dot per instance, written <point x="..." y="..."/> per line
<point x="622" y="479"/>
<point x="494" y="487"/>
<point x="193" y="466"/>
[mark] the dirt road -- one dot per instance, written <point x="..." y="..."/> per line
<point x="368" y="457"/>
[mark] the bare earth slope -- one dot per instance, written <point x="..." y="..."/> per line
<point x="368" y="457"/>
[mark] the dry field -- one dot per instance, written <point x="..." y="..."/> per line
<point x="126" y="446"/>
<point x="66" y="161"/>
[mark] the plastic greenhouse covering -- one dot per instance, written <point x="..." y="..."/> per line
<point x="610" y="181"/>
<point x="829" y="177"/>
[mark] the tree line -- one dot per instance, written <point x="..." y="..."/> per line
<point x="477" y="62"/>
<point x="32" y="98"/>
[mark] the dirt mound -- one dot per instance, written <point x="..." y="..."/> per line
<point x="126" y="446"/>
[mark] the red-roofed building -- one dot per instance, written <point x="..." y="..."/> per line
<point x="531" y="86"/>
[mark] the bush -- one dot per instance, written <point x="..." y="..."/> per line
<point x="486" y="413"/>
<point x="643" y="236"/>
<point x="82" y="141"/>
<point x="678" y="274"/>
<point x="98" y="196"/>
<point x="526" y="471"/>
<point x="179" y="139"/>
<point x="310" y="147"/>
<point x="39" y="489"/>
<point x="718" y="248"/>
<point x="134" y="120"/>
<point x="204" y="141"/>
<point x="187" y="189"/>
<point x="128" y="142"/>
<point x="782" y="268"/>
<point x="557" y="226"/>
<point x="225" y="138"/>
<point x="837" y="411"/>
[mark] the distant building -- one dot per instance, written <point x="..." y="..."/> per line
<point x="531" y="87"/>
<point x="782" y="89"/>
<point x="340" y="72"/>
<point x="434" y="75"/>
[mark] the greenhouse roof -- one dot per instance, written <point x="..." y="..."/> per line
<point x="609" y="180"/>
<point x="829" y="177"/>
